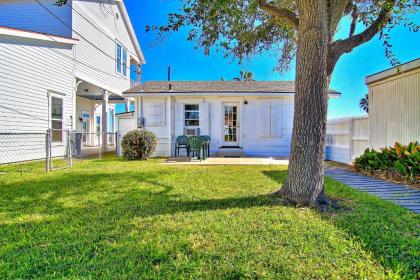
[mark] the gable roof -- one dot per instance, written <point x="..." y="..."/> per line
<point x="255" y="87"/>
<point x="130" y="29"/>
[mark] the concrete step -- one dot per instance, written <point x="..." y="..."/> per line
<point x="230" y="152"/>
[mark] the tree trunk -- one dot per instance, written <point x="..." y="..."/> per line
<point x="305" y="180"/>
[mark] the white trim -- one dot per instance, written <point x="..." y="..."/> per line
<point x="88" y="79"/>
<point x="61" y="96"/>
<point x="133" y="37"/>
<point x="36" y="36"/>
<point x="238" y="141"/>
<point x="218" y="94"/>
<point x="393" y="71"/>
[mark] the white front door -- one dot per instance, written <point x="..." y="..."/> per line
<point x="231" y="124"/>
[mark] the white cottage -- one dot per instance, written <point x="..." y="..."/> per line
<point x="251" y="118"/>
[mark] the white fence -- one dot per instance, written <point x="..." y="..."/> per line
<point x="347" y="138"/>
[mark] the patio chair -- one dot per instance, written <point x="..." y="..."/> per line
<point x="195" y="147"/>
<point x="181" y="143"/>
<point x="206" y="144"/>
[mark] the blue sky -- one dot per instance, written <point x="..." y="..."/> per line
<point x="188" y="63"/>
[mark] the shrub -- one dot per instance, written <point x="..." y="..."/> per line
<point x="401" y="159"/>
<point x="138" y="144"/>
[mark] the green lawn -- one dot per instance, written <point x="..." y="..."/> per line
<point x="142" y="220"/>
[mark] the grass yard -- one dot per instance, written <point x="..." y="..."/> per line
<point x="142" y="220"/>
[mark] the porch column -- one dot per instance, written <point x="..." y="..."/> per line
<point x="105" y="119"/>
<point x="127" y="104"/>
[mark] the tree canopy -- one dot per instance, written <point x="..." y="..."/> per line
<point x="244" y="28"/>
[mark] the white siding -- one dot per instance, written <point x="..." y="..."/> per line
<point x="394" y="110"/>
<point x="28" y="70"/>
<point x="252" y="139"/>
<point x="29" y="15"/>
<point x="96" y="26"/>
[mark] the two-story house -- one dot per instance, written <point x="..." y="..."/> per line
<point x="64" y="67"/>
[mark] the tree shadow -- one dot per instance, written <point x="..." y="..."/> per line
<point x="383" y="228"/>
<point x="386" y="230"/>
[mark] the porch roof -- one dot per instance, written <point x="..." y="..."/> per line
<point x="216" y="87"/>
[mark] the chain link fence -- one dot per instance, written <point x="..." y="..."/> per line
<point x="55" y="148"/>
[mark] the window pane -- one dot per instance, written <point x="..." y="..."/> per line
<point x="124" y="65"/>
<point x="56" y="108"/>
<point x="192" y="115"/>
<point x="192" y="122"/>
<point x="57" y="135"/>
<point x="192" y="107"/>
<point x="118" y="58"/>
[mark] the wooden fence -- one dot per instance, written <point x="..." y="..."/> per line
<point x="347" y="138"/>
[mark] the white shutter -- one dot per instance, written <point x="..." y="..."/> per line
<point x="155" y="114"/>
<point x="179" y="119"/>
<point x="204" y="119"/>
<point x="265" y="120"/>
<point x="276" y="119"/>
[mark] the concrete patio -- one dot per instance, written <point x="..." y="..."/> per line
<point x="227" y="161"/>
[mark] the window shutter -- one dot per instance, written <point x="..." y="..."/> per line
<point x="179" y="119"/>
<point x="265" y="119"/>
<point x="204" y="119"/>
<point x="276" y="119"/>
<point x="155" y="114"/>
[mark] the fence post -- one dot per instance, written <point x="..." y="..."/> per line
<point x="69" y="150"/>
<point x="117" y="143"/>
<point x="47" y="152"/>
<point x="100" y="145"/>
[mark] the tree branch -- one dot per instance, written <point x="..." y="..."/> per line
<point x="340" y="47"/>
<point x="354" y="17"/>
<point x="338" y="8"/>
<point x="282" y="14"/>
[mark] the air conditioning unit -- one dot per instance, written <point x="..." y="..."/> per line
<point x="192" y="131"/>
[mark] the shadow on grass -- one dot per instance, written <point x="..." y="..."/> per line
<point x="385" y="229"/>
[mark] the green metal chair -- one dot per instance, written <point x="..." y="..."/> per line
<point x="206" y="145"/>
<point x="181" y="143"/>
<point x="195" y="147"/>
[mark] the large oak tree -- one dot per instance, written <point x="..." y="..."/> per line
<point x="303" y="29"/>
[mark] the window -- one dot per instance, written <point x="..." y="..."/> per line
<point x="124" y="63"/>
<point x="98" y="124"/>
<point x="57" y="119"/>
<point x="192" y="115"/>
<point x="191" y="119"/>
<point x="122" y="57"/>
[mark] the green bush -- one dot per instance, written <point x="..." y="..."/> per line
<point x="402" y="159"/>
<point x="138" y="144"/>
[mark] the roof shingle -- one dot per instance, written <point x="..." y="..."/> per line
<point x="216" y="87"/>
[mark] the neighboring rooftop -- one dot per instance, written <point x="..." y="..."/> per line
<point x="216" y="87"/>
<point x="16" y="32"/>
<point x="405" y="67"/>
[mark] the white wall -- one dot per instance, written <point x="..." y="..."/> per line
<point x="96" y="22"/>
<point x="29" y="15"/>
<point x="29" y="69"/>
<point x="253" y="136"/>
<point x="394" y="110"/>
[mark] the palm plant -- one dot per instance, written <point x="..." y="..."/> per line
<point x="245" y="76"/>
<point x="364" y="103"/>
